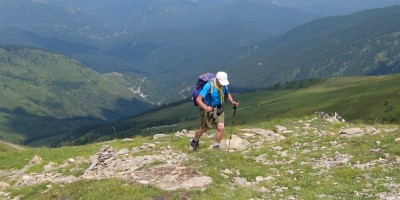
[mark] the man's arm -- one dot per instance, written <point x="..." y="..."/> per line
<point x="233" y="103"/>
<point x="200" y="102"/>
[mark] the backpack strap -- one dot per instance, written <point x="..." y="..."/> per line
<point x="225" y="91"/>
<point x="211" y="89"/>
<point x="211" y="85"/>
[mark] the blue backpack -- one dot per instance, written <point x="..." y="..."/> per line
<point x="201" y="81"/>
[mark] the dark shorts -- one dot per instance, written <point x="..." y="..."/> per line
<point x="207" y="119"/>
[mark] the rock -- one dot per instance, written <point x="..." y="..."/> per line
<point x="263" y="190"/>
<point x="197" y="182"/>
<point x="280" y="189"/>
<point x="280" y="128"/>
<point x="48" y="168"/>
<point x="227" y="171"/>
<point x="147" y="146"/>
<point x="4" y="185"/>
<point x="350" y="132"/>
<point x="127" y="140"/>
<point x="143" y="182"/>
<point x="123" y="151"/>
<point x="332" y="120"/>
<point x="259" y="179"/>
<point x="236" y="143"/>
<point x="271" y="135"/>
<point x="291" y="198"/>
<point x="68" y="179"/>
<point x="397" y="140"/>
<point x="240" y="181"/>
<point x="157" y="136"/>
<point x="35" y="160"/>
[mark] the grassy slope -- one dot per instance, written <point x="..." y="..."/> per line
<point x="371" y="99"/>
<point x="309" y="141"/>
<point x="368" y="99"/>
<point x="300" y="180"/>
<point x="42" y="94"/>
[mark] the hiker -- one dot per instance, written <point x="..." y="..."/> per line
<point x="210" y="101"/>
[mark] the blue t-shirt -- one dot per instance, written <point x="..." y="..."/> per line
<point x="215" y="97"/>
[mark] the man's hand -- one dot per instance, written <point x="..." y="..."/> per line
<point x="235" y="103"/>
<point x="209" y="109"/>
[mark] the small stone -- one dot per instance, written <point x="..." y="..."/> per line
<point x="259" y="179"/>
<point x="280" y="128"/>
<point x="227" y="171"/>
<point x="143" y="182"/>
<point x="4" y="185"/>
<point x="36" y="160"/>
<point x="157" y="136"/>
<point x="123" y="151"/>
<point x="127" y="140"/>
<point x="240" y="181"/>
<point x="92" y="165"/>
<point x="352" y="132"/>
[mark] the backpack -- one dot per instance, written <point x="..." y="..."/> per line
<point x="201" y="81"/>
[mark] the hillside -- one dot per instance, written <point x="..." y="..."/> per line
<point x="288" y="158"/>
<point x="365" y="43"/>
<point x="10" y="147"/>
<point x="44" y="94"/>
<point x="371" y="99"/>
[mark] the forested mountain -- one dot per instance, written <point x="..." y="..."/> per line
<point x="169" y="42"/>
<point x="43" y="94"/>
<point x="365" y="43"/>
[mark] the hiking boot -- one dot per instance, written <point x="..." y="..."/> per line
<point x="195" y="145"/>
<point x="216" y="147"/>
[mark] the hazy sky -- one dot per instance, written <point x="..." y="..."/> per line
<point x="333" y="7"/>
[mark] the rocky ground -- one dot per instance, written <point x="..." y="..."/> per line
<point x="161" y="166"/>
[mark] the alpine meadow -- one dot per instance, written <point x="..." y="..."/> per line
<point x="96" y="99"/>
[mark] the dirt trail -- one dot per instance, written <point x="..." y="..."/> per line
<point x="15" y="146"/>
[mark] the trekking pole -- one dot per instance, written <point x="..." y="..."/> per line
<point x="232" y="122"/>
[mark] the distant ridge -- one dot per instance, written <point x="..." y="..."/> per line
<point x="364" y="43"/>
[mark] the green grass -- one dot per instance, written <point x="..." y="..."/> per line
<point x="103" y="189"/>
<point x="293" y="175"/>
<point x="367" y="99"/>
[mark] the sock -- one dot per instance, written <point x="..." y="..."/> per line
<point x="216" y="143"/>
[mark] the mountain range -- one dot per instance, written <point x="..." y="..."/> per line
<point x="154" y="51"/>
<point x="170" y="43"/>
<point x="364" y="43"/>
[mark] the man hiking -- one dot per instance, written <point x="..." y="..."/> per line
<point x="210" y="101"/>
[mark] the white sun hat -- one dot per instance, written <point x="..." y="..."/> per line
<point x="222" y="78"/>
